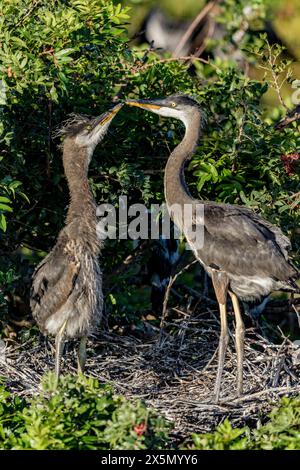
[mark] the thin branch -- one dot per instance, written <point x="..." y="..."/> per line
<point x="276" y="390"/>
<point x="295" y="195"/>
<point x="298" y="314"/>
<point x="204" y="12"/>
<point x="174" y="59"/>
<point x="167" y="294"/>
<point x="291" y="116"/>
<point x="275" y="76"/>
<point x="27" y="13"/>
<point x="211" y="26"/>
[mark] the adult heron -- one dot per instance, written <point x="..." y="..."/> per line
<point x="66" y="294"/>
<point x="245" y="255"/>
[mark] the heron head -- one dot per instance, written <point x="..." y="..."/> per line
<point x="86" y="131"/>
<point x="180" y="107"/>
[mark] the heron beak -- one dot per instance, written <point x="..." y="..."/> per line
<point x="109" y="115"/>
<point x="145" y="104"/>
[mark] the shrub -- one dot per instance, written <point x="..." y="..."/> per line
<point x="283" y="429"/>
<point x="11" y="421"/>
<point x="225" y="437"/>
<point x="79" y="414"/>
<point x="281" y="432"/>
<point x="82" y="414"/>
<point x="65" y="56"/>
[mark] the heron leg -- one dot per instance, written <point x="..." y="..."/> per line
<point x="223" y="343"/>
<point x="59" y="348"/>
<point x="81" y="355"/>
<point x="239" y="340"/>
<point x="220" y="283"/>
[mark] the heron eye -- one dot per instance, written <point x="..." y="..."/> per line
<point x="173" y="105"/>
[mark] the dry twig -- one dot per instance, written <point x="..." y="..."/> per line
<point x="176" y="380"/>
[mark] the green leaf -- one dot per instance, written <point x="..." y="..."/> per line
<point x="64" y="52"/>
<point x="5" y="207"/>
<point x="4" y="199"/>
<point x="53" y="94"/>
<point x="3" y="224"/>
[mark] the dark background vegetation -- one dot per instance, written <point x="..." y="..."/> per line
<point x="79" y="56"/>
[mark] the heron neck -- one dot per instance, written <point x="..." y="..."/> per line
<point x="176" y="190"/>
<point x="82" y="203"/>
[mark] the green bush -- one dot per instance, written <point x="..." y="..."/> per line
<point x="65" y="56"/>
<point x="11" y="422"/>
<point x="281" y="432"/>
<point x="75" y="56"/>
<point x="283" y="429"/>
<point x="80" y="414"/>
<point x="225" y="437"/>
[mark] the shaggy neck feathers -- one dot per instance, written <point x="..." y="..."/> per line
<point x="76" y="161"/>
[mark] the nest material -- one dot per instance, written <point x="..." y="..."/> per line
<point x="173" y="372"/>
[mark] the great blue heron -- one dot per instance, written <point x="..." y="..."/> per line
<point x="66" y="295"/>
<point x="245" y="255"/>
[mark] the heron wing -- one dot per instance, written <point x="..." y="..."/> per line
<point x="240" y="242"/>
<point x="53" y="282"/>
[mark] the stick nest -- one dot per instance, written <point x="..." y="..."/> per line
<point x="173" y="372"/>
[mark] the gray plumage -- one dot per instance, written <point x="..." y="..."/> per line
<point x="252" y="252"/>
<point x="246" y="256"/>
<point x="66" y="294"/>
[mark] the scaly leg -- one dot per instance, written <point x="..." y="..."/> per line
<point x="59" y="348"/>
<point x="223" y="343"/>
<point x="81" y="355"/>
<point x="220" y="283"/>
<point x="239" y="340"/>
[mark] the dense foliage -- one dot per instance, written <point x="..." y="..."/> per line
<point x="281" y="432"/>
<point x="76" y="56"/>
<point x="82" y="414"/>
<point x="62" y="56"/>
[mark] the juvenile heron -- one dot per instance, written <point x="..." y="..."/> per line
<point x="246" y="256"/>
<point x="66" y="294"/>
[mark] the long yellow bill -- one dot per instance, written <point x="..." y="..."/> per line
<point x="111" y="114"/>
<point x="142" y="104"/>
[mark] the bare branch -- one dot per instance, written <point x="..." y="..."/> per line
<point x="205" y="11"/>
<point x="167" y="294"/>
<point x="291" y="116"/>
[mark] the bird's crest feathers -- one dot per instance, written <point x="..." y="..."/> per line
<point x="73" y="125"/>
